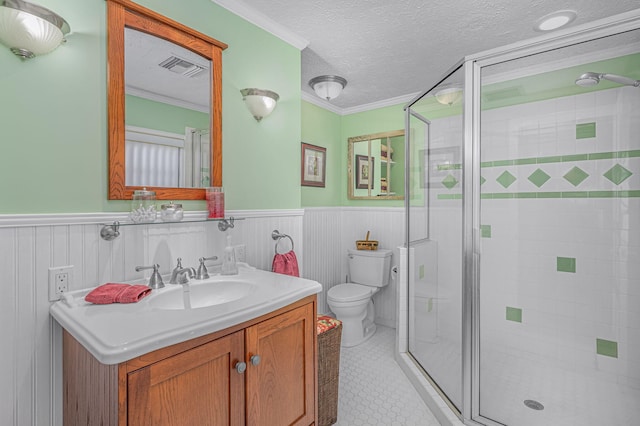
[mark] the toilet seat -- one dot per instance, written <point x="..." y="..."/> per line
<point x="349" y="292"/>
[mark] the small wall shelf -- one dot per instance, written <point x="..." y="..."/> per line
<point x="111" y="231"/>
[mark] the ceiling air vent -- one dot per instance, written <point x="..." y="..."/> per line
<point x="182" y="67"/>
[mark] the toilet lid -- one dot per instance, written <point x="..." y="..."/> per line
<point x="349" y="292"/>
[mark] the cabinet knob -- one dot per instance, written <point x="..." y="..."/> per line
<point x="255" y="359"/>
<point x="241" y="367"/>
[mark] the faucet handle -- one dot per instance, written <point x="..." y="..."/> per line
<point x="202" y="273"/>
<point x="155" y="281"/>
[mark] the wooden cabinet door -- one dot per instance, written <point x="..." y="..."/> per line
<point x="281" y="387"/>
<point x="198" y="387"/>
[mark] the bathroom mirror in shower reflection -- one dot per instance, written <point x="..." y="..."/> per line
<point x="376" y="166"/>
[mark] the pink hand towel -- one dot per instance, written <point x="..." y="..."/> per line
<point x="117" y="293"/>
<point x="286" y="263"/>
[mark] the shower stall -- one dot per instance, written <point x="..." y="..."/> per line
<point x="522" y="257"/>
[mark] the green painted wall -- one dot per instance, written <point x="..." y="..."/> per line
<point x="53" y="115"/>
<point x="160" y="116"/>
<point x="322" y="128"/>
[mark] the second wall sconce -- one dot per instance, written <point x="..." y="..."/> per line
<point x="259" y="102"/>
<point x="30" y="30"/>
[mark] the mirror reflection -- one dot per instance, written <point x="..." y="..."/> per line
<point x="167" y="114"/>
<point x="376" y="166"/>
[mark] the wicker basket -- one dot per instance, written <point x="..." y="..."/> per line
<point x="367" y="244"/>
<point x="328" y="371"/>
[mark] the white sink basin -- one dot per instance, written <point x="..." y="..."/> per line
<point x="201" y="294"/>
<point x="121" y="331"/>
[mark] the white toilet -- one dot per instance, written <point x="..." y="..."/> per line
<point x="352" y="302"/>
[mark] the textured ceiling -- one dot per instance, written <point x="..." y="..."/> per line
<point x="392" y="48"/>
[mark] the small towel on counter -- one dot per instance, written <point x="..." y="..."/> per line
<point x="286" y="263"/>
<point x="117" y="293"/>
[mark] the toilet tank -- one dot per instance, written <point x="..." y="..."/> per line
<point x="369" y="267"/>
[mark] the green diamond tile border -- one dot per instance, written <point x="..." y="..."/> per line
<point x="617" y="174"/>
<point x="539" y="178"/>
<point x="485" y="231"/>
<point x="449" y="181"/>
<point x="506" y="179"/>
<point x="576" y="176"/>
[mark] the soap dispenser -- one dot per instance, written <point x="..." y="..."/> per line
<point x="229" y="266"/>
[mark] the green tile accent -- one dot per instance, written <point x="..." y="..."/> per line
<point x="607" y="348"/>
<point x="485" y="231"/>
<point x="602" y="155"/>
<point x="555" y="159"/>
<point x="514" y="314"/>
<point x="506" y="179"/>
<point x="576" y="157"/>
<point x="566" y="264"/>
<point x="617" y="174"/>
<point x="421" y="272"/>
<point x="539" y="177"/>
<point x="442" y="167"/>
<point x="430" y="305"/>
<point x="585" y="130"/>
<point x="575" y="176"/>
<point x="449" y="181"/>
<point x="549" y="194"/>
<point x="525" y="195"/>
<point x="524" y="161"/>
<point x="501" y="163"/>
<point x="568" y="194"/>
<point x="482" y="180"/>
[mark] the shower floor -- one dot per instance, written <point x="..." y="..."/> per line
<point x="570" y="398"/>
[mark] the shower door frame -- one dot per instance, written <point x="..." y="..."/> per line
<point x="471" y="202"/>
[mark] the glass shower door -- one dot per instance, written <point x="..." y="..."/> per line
<point x="435" y="235"/>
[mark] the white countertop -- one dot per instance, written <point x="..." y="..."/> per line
<point x="117" y="332"/>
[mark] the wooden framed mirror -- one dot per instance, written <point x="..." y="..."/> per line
<point x="132" y="35"/>
<point x="375" y="166"/>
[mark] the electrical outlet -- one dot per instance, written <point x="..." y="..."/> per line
<point x="240" y="252"/>
<point x="60" y="278"/>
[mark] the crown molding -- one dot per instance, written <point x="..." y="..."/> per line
<point x="379" y="104"/>
<point x="312" y="99"/>
<point x="145" y="94"/>
<point x="247" y="13"/>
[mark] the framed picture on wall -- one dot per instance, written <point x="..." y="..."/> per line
<point x="364" y="173"/>
<point x="313" y="165"/>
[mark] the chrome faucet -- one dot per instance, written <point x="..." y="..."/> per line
<point x="181" y="275"/>
<point x="155" y="281"/>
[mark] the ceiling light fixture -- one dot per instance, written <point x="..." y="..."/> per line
<point x="448" y="95"/>
<point x="259" y="102"/>
<point x="30" y="30"/>
<point x="555" y="20"/>
<point x="328" y="86"/>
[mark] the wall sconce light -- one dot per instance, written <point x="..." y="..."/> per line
<point x="328" y="86"/>
<point x="259" y="102"/>
<point x="448" y="95"/>
<point x="29" y="29"/>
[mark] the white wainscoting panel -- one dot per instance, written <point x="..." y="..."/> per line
<point x="329" y="232"/>
<point x="31" y="356"/>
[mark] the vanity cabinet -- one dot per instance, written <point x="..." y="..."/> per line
<point x="203" y="381"/>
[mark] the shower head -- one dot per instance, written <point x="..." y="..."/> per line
<point x="589" y="79"/>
